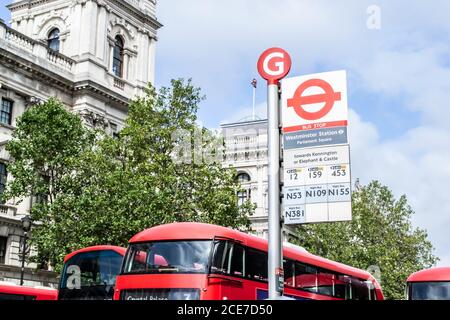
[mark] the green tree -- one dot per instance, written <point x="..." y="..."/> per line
<point x="116" y="187"/>
<point x="44" y="149"/>
<point x="380" y="234"/>
<point x="47" y="140"/>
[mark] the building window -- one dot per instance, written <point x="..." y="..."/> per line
<point x="6" y="111"/>
<point x="243" y="196"/>
<point x="3" y="177"/>
<point x="114" y="131"/>
<point x="53" y="40"/>
<point x="3" y="242"/>
<point x="41" y="197"/>
<point x="118" y="57"/>
<point x="243" y="177"/>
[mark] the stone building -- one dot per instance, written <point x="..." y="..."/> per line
<point x="246" y="150"/>
<point x="94" y="55"/>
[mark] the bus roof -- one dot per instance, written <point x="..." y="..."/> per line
<point x="202" y="231"/>
<point x="433" y="274"/>
<point x="41" y="293"/>
<point x="119" y="250"/>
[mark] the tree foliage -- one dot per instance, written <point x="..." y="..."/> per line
<point x="110" y="188"/>
<point x="43" y="147"/>
<point x="380" y="234"/>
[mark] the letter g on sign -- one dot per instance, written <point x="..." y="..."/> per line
<point x="274" y="64"/>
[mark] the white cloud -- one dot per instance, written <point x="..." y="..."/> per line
<point x="415" y="162"/>
<point x="412" y="164"/>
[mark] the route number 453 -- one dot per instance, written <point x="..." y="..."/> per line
<point x="339" y="173"/>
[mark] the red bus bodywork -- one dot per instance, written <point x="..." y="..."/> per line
<point x="119" y="250"/>
<point x="16" y="292"/>
<point x="436" y="280"/>
<point x="93" y="258"/>
<point x="219" y="286"/>
<point x="433" y="274"/>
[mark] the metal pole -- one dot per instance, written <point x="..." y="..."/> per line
<point x="274" y="189"/>
<point x="254" y="102"/>
<point x="22" y="271"/>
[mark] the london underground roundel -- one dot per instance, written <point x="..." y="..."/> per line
<point x="328" y="98"/>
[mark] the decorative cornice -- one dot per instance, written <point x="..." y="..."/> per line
<point x="99" y="90"/>
<point x="35" y="71"/>
<point x="55" y="14"/>
<point x="124" y="24"/>
<point x="130" y="52"/>
<point x="155" y="24"/>
<point x="26" y="4"/>
<point x="32" y="101"/>
<point x="94" y="119"/>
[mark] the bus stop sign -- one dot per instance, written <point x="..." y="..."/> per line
<point x="274" y="64"/>
<point x="299" y="100"/>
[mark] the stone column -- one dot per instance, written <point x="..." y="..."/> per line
<point x="2" y="30"/>
<point x="151" y="61"/>
<point x="62" y="45"/>
<point x="111" y="55"/>
<point x="126" y="59"/>
<point x="132" y="68"/>
<point x="74" y="43"/>
<point x="88" y="28"/>
<point x="101" y="40"/>
<point x="142" y="64"/>
<point x="30" y="25"/>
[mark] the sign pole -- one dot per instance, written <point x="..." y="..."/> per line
<point x="273" y="65"/>
<point x="274" y="190"/>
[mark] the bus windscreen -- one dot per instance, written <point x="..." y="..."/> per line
<point x="90" y="276"/>
<point x="439" y="290"/>
<point x="168" y="257"/>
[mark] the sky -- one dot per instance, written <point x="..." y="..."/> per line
<point x="398" y="80"/>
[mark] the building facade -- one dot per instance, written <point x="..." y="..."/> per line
<point x="94" y="56"/>
<point x="246" y="150"/>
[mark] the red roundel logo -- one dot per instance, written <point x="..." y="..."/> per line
<point x="274" y="64"/>
<point x="328" y="97"/>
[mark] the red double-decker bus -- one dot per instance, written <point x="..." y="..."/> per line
<point x="429" y="284"/>
<point x="10" y="291"/>
<point x="201" y="261"/>
<point x="90" y="273"/>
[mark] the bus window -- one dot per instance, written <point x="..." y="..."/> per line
<point x="360" y="290"/>
<point x="288" y="266"/>
<point x="136" y="258"/>
<point x="237" y="261"/>
<point x="168" y="257"/>
<point x="429" y="284"/>
<point x="305" y="277"/>
<point x="221" y="257"/>
<point x="9" y="297"/>
<point x="90" y="275"/>
<point x="430" y="290"/>
<point x="342" y="287"/>
<point x="10" y="291"/>
<point x="325" y="283"/>
<point x="256" y="265"/>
